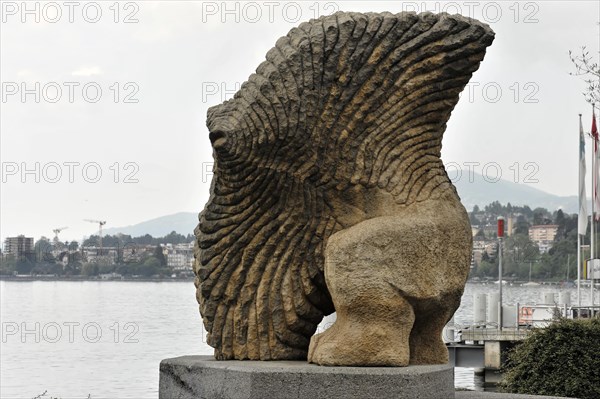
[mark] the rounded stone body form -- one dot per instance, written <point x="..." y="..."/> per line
<point x="395" y="282"/>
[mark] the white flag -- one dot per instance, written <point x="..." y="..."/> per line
<point x="583" y="219"/>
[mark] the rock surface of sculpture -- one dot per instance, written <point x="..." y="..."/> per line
<point x="329" y="194"/>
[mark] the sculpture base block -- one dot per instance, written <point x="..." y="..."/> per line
<point x="207" y="378"/>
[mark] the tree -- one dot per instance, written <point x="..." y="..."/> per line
<point x="125" y="269"/>
<point x="520" y="250"/>
<point x="559" y="360"/>
<point x="92" y="241"/>
<point x="47" y="268"/>
<point x="8" y="264"/>
<point x="561" y="221"/>
<point x="146" y="239"/>
<point x="43" y="250"/>
<point x="89" y="269"/>
<point x="589" y="70"/>
<point x="474" y="219"/>
<point x="158" y="254"/>
<point x="525" y="248"/>
<point x="150" y="267"/>
<point x="495" y="208"/>
<point x="485" y="257"/>
<point x="521" y="226"/>
<point x="173" y="238"/>
<point x="563" y="251"/>
<point x="541" y="216"/>
<point x="104" y="269"/>
<point x="487" y="269"/>
<point x="571" y="223"/>
<point x="24" y="266"/>
<point x="74" y="258"/>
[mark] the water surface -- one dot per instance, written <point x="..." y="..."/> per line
<point x="106" y="339"/>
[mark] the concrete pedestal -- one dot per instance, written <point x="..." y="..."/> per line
<point x="206" y="378"/>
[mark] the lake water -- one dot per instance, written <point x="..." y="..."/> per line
<point x="106" y="339"/>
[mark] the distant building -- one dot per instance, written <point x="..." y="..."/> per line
<point x="134" y="253"/>
<point x="479" y="248"/>
<point x="19" y="247"/>
<point x="180" y="257"/>
<point x="543" y="235"/>
<point x="108" y="256"/>
<point x="490" y="230"/>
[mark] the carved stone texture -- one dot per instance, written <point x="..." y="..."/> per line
<point x="338" y="131"/>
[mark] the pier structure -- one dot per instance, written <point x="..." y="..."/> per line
<point x="484" y="344"/>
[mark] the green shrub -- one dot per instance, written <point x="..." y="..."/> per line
<point x="562" y="359"/>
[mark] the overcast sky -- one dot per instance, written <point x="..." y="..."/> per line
<point x="129" y="100"/>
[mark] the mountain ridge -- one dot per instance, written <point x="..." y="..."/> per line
<point x="482" y="192"/>
<point x="475" y="191"/>
<point x="180" y="222"/>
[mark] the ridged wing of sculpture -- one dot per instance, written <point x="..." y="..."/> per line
<point x="341" y="125"/>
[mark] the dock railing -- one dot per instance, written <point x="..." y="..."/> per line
<point x="517" y="320"/>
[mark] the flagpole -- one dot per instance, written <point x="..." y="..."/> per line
<point x="593" y="219"/>
<point x="578" y="269"/>
<point x="582" y="220"/>
<point x="594" y="132"/>
<point x="593" y="175"/>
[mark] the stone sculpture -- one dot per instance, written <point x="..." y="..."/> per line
<point x="329" y="194"/>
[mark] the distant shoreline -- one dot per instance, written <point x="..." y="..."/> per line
<point x="78" y="278"/>
<point x="191" y="280"/>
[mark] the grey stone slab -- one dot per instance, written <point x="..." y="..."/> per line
<point x="207" y="378"/>
<point x="494" y="395"/>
